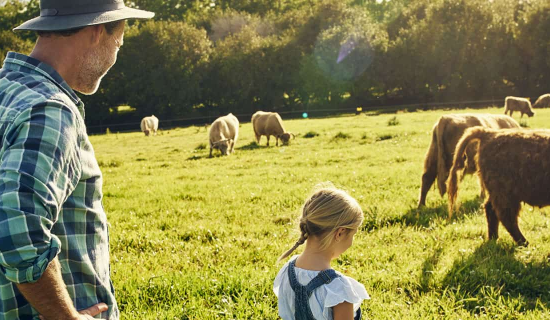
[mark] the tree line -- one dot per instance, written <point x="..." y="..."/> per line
<point x="211" y="57"/>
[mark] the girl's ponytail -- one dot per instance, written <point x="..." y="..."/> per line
<point x="302" y="240"/>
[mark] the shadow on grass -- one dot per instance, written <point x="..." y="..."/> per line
<point x="206" y="156"/>
<point x="492" y="277"/>
<point x="251" y="146"/>
<point x="427" y="280"/>
<point x="422" y="217"/>
<point x="195" y="157"/>
<point x="419" y="107"/>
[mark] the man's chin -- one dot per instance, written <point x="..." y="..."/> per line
<point x="88" y="91"/>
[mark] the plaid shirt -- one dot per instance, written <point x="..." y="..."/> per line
<point x="50" y="191"/>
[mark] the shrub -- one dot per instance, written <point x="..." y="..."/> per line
<point x="201" y="146"/>
<point x="384" y="136"/>
<point x="393" y="121"/>
<point x="341" y="136"/>
<point x="523" y="124"/>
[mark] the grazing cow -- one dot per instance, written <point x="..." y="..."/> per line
<point x="224" y="133"/>
<point x="445" y="135"/>
<point x="522" y="105"/>
<point x="270" y="124"/>
<point x="543" y="101"/>
<point x="514" y="167"/>
<point x="149" y="125"/>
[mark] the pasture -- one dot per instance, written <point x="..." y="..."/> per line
<point x="194" y="237"/>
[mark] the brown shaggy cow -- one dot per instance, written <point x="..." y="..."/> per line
<point x="522" y="105"/>
<point x="514" y="167"/>
<point x="446" y="133"/>
<point x="543" y="101"/>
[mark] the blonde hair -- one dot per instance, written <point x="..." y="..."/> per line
<point x="323" y="213"/>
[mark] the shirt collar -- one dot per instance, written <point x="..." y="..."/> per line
<point x="34" y="65"/>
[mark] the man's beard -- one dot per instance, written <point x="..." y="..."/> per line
<point x="95" y="65"/>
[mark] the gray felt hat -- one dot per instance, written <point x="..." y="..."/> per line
<point x="56" y="15"/>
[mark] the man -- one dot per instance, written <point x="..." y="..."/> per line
<point x="54" y="250"/>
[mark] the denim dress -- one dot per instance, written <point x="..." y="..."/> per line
<point x="307" y="294"/>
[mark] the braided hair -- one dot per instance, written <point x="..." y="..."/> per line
<point x="324" y="212"/>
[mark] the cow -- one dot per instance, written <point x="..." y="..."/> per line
<point x="522" y="105"/>
<point x="445" y="135"/>
<point x="543" y="101"/>
<point x="513" y="166"/>
<point x="270" y="124"/>
<point x="223" y="134"/>
<point x="150" y="125"/>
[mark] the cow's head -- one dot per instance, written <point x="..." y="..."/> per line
<point x="530" y="113"/>
<point x="223" y="146"/>
<point x="146" y="131"/>
<point x="285" y="137"/>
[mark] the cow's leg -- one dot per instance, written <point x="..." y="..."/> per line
<point x="492" y="219"/>
<point x="210" y="156"/>
<point x="276" y="141"/>
<point x="268" y="136"/>
<point x="258" y="137"/>
<point x="482" y="193"/>
<point x="511" y="112"/>
<point x="428" y="179"/>
<point x="509" y="218"/>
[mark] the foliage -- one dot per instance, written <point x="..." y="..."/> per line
<point x="10" y="42"/>
<point x="290" y="55"/>
<point x="172" y="57"/>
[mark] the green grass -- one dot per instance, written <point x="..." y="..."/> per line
<point x="194" y="237"/>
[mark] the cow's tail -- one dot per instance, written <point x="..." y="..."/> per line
<point x="442" y="168"/>
<point x="470" y="135"/>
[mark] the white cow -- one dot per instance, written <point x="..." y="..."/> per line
<point x="270" y="124"/>
<point x="224" y="133"/>
<point x="150" y="125"/>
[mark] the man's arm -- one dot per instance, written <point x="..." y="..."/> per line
<point x="50" y="298"/>
<point x="39" y="168"/>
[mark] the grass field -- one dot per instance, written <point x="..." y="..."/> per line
<point x="194" y="237"/>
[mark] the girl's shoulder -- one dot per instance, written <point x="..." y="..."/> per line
<point x="344" y="289"/>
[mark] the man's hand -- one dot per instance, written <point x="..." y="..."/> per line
<point x="89" y="313"/>
<point x="94" y="310"/>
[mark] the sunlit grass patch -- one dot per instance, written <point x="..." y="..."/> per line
<point x="194" y="237"/>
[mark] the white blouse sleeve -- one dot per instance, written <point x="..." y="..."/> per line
<point x="279" y="278"/>
<point x="282" y="276"/>
<point x="345" y="289"/>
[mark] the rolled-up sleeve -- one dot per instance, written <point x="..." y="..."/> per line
<point x="39" y="169"/>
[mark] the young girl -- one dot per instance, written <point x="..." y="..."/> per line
<point x="306" y="286"/>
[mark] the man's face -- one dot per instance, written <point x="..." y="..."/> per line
<point x="99" y="60"/>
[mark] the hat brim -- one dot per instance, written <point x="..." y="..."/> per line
<point x="67" y="22"/>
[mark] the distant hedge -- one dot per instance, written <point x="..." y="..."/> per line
<point x="203" y="60"/>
